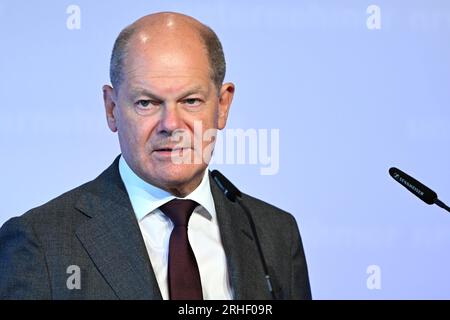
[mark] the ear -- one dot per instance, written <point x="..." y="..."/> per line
<point x="109" y="100"/>
<point x="225" y="99"/>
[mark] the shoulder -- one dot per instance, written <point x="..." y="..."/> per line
<point x="28" y="242"/>
<point x="61" y="212"/>
<point x="268" y="213"/>
<point x="57" y="215"/>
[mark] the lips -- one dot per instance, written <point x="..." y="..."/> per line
<point x="164" y="149"/>
<point x="168" y="153"/>
<point x="169" y="149"/>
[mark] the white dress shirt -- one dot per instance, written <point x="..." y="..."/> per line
<point x="203" y="233"/>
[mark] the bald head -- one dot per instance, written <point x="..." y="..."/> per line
<point x="171" y="29"/>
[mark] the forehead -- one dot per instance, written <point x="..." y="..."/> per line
<point x="180" y="54"/>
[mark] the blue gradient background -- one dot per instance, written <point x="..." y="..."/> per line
<point x="349" y="103"/>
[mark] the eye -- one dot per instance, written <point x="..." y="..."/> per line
<point x="146" y="104"/>
<point x="192" y="102"/>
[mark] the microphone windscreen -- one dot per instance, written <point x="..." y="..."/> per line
<point x="414" y="186"/>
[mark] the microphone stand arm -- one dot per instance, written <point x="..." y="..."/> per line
<point x="258" y="245"/>
<point x="442" y="205"/>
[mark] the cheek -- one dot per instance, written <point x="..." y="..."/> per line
<point x="202" y="124"/>
<point x="210" y="118"/>
<point x="208" y="133"/>
<point x="133" y="134"/>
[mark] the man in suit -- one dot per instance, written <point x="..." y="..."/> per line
<point x="115" y="237"/>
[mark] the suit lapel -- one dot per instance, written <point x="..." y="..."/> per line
<point x="113" y="239"/>
<point x="244" y="265"/>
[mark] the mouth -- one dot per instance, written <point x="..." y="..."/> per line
<point x="164" y="150"/>
<point x="167" y="151"/>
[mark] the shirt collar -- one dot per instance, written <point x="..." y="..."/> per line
<point x="145" y="197"/>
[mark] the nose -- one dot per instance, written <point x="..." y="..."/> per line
<point x="170" y="120"/>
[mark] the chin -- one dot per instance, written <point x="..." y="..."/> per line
<point x="181" y="173"/>
<point x="175" y="175"/>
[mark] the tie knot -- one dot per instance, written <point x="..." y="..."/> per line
<point x="179" y="211"/>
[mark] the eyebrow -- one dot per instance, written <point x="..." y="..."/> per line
<point x="142" y="91"/>
<point x="196" y="89"/>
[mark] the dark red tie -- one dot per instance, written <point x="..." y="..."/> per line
<point x="184" y="277"/>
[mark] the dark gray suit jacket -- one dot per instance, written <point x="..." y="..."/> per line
<point x="94" y="227"/>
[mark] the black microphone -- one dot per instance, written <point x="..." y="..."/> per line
<point x="233" y="194"/>
<point x="417" y="188"/>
